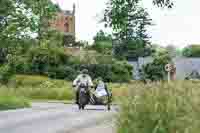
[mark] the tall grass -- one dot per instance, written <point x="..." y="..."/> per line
<point x="161" y="108"/>
<point x="42" y="88"/>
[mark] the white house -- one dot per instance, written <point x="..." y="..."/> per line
<point x="184" y="66"/>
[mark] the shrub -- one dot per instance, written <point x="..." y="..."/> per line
<point x="104" y="47"/>
<point x="54" y="62"/>
<point x="155" y="71"/>
<point x="62" y="72"/>
<point x="43" y="57"/>
<point x="116" y="72"/>
<point x="20" y="64"/>
<point x="161" y="108"/>
<point x="6" y="73"/>
<point x="121" y="72"/>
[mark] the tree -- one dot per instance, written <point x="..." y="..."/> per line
<point x="129" y="22"/>
<point x="191" y="51"/>
<point x="155" y="71"/>
<point x="163" y="3"/>
<point x="127" y="19"/>
<point x="103" y="43"/>
<point x="23" y="18"/>
<point x="42" y="11"/>
<point x="102" y="36"/>
<point x="15" y="22"/>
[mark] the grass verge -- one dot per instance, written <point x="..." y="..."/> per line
<point x="161" y="108"/>
<point x="11" y="101"/>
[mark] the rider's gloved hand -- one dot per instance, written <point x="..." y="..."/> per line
<point x="74" y="85"/>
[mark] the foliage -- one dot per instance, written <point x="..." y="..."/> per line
<point x="12" y="102"/>
<point x="137" y="48"/>
<point x="192" y="51"/>
<point x="121" y="72"/>
<point x="102" y="36"/>
<point x="14" y="20"/>
<point x="129" y="22"/>
<point x="24" y="19"/>
<point x="38" y="87"/>
<point x="163" y="3"/>
<point x="43" y="57"/>
<point x="43" y="11"/>
<point x="41" y="87"/>
<point x="62" y="72"/>
<point x="104" y="47"/>
<point x="127" y="19"/>
<point x="116" y="72"/>
<point x="3" y="54"/>
<point x="103" y="43"/>
<point x="57" y="64"/>
<point x="156" y="70"/>
<point x="6" y="73"/>
<point x="161" y="108"/>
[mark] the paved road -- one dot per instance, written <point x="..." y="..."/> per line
<point x="57" y="118"/>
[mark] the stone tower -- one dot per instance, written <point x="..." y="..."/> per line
<point x="66" y="22"/>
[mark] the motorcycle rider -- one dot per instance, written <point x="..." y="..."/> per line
<point x="84" y="79"/>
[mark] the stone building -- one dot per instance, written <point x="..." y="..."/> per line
<point x="65" y="22"/>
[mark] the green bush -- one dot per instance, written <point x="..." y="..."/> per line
<point x="116" y="72"/>
<point x="44" y="57"/>
<point x="121" y="72"/>
<point x="6" y="73"/>
<point x="161" y="108"/>
<point x="62" y="72"/>
<point x="104" y="47"/>
<point x="20" y="64"/>
<point x="155" y="71"/>
<point x="54" y="62"/>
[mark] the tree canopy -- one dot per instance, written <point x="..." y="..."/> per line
<point x="102" y="36"/>
<point x="103" y="42"/>
<point x="129" y="21"/>
<point x="191" y="51"/>
<point x="163" y="3"/>
<point x="23" y="18"/>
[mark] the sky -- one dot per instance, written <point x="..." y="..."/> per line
<point x="179" y="26"/>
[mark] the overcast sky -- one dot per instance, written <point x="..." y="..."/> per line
<point x="178" y="26"/>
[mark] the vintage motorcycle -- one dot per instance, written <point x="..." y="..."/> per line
<point x="86" y="96"/>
